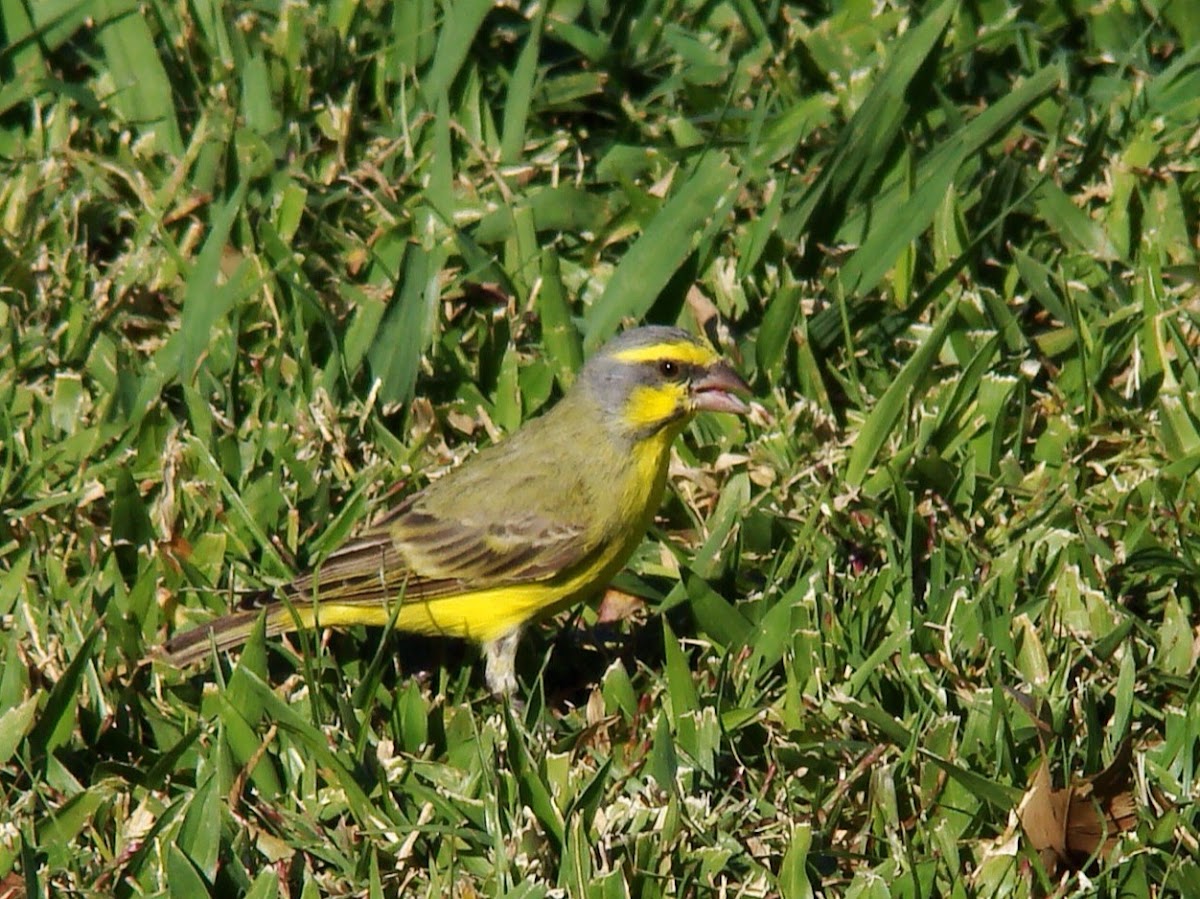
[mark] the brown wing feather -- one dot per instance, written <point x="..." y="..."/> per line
<point x="422" y="557"/>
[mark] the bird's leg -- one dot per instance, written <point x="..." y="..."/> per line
<point x="500" y="669"/>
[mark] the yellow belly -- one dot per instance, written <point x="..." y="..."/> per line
<point x="480" y="615"/>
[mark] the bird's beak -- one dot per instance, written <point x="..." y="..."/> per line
<point x="716" y="390"/>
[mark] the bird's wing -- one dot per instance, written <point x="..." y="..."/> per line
<point x="419" y="555"/>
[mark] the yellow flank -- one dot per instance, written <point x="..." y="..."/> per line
<point x="480" y="615"/>
<point x="687" y="353"/>
<point x="649" y="406"/>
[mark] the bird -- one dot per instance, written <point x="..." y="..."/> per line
<point x="523" y="528"/>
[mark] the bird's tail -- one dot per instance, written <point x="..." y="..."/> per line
<point x="232" y="630"/>
<point x="227" y="632"/>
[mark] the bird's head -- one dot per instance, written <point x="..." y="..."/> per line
<point x="657" y="377"/>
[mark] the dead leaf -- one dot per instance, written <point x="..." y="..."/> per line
<point x="617" y="605"/>
<point x="186" y="207"/>
<point x="12" y="886"/>
<point x="1068" y="827"/>
<point x="461" y="422"/>
<point x="704" y="309"/>
<point x="1102" y="807"/>
<point x="1043" y="812"/>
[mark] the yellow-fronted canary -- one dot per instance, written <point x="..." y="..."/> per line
<point x="522" y="529"/>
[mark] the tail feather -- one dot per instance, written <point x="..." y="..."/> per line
<point x="227" y="632"/>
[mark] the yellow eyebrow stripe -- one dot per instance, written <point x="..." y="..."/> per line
<point x="687" y="353"/>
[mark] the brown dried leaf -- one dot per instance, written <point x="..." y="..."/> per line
<point x="461" y="422"/>
<point x="12" y="886"/>
<point x="1069" y="826"/>
<point x="1043" y="814"/>
<point x="617" y="605"/>
<point x="1102" y="807"/>
<point x="704" y="309"/>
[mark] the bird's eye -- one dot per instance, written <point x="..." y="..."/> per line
<point x="668" y="368"/>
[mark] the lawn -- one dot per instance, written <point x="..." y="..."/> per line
<point x="924" y="624"/>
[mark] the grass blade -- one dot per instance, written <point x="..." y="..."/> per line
<point x="866" y="142"/>
<point x="894" y="226"/>
<point x="661" y="250"/>
<point x="142" y="91"/>
<point x="871" y="438"/>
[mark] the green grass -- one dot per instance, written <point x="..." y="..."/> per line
<point x="263" y="267"/>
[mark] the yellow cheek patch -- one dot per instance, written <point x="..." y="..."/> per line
<point x="649" y="406"/>
<point x="684" y="353"/>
